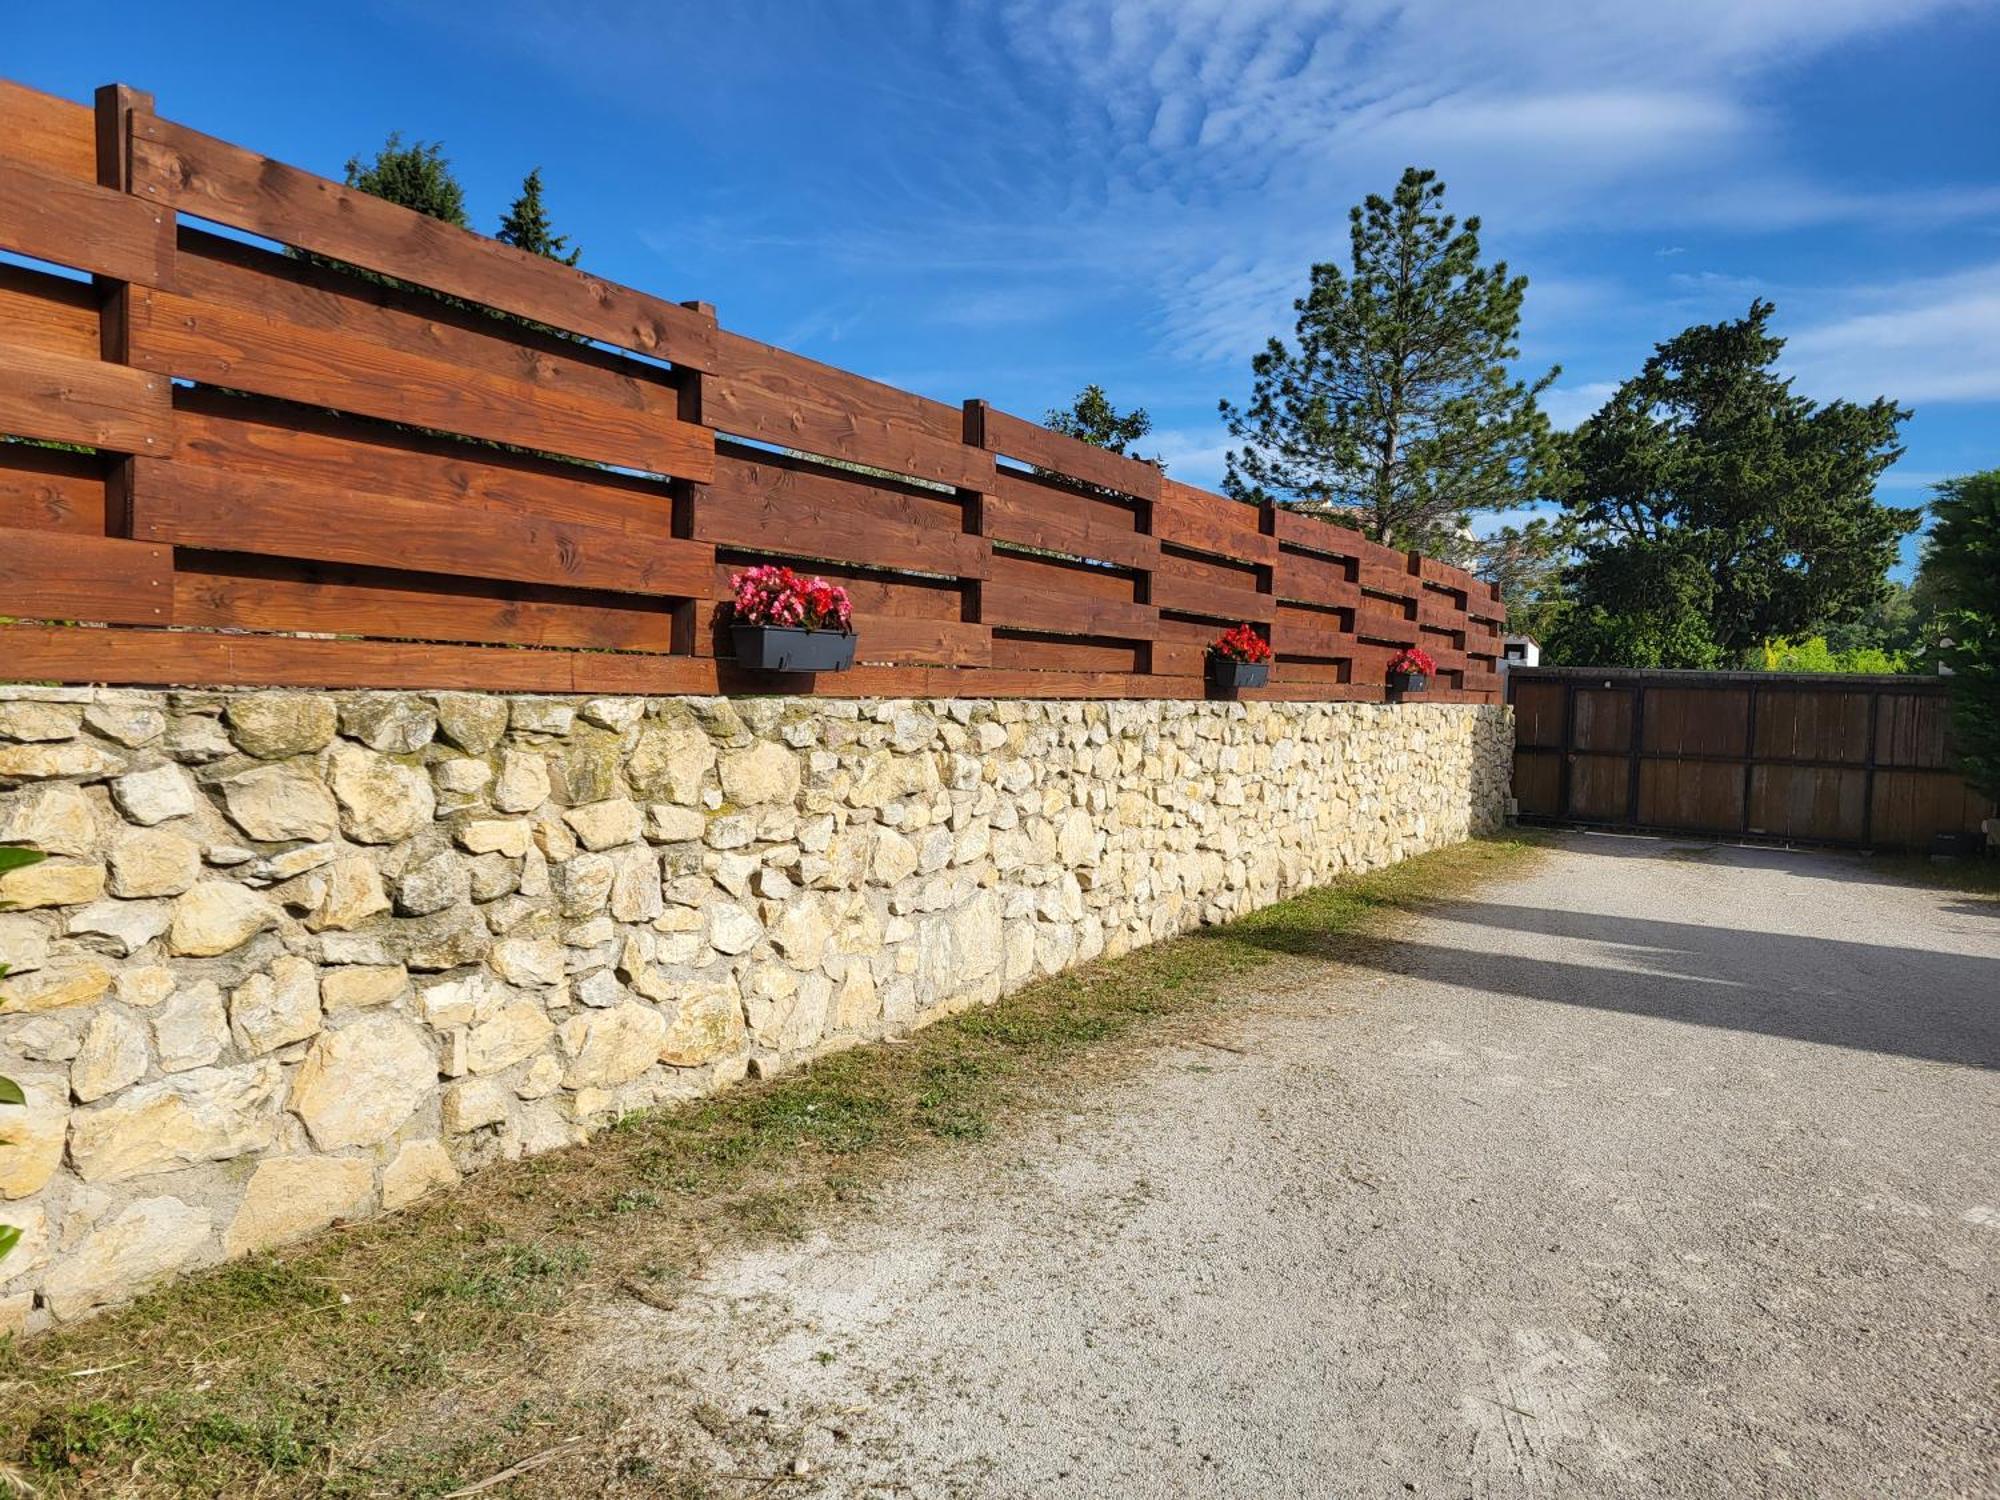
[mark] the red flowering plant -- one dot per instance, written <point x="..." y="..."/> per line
<point x="776" y="596"/>
<point x="1240" y="643"/>
<point x="1413" y="661"/>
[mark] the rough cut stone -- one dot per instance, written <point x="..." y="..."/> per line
<point x="512" y="837"/>
<point x="77" y="760"/>
<point x="51" y="883"/>
<point x="190" y="1030"/>
<point x="731" y="929"/>
<point x="363" y="986"/>
<point x="209" y="1114"/>
<point x="360" y="1084"/>
<point x="32" y="1135"/>
<point x="707" y="1023"/>
<point x="217" y="916"/>
<point x="123" y="926"/>
<point x="131" y="724"/>
<point x="528" y="961"/>
<point x="516" y="1030"/>
<point x="472" y="721"/>
<point x="275" y="726"/>
<point x="393" y="723"/>
<point x="523" y="783"/>
<point x="58" y="819"/>
<point x="353" y="895"/>
<point x="542" y="716"/>
<point x="63" y="983"/>
<point x="419" y="1169"/>
<point x="473" y="1104"/>
<point x="31" y="721"/>
<point x="671" y="762"/>
<point x="766" y="772"/>
<point x="668" y="824"/>
<point x="381" y="801"/>
<point x="275" y="1009"/>
<point x="278" y="803"/>
<point x="142" y="1243"/>
<point x="156" y="795"/>
<point x="24" y="941"/>
<point x="153" y="862"/>
<point x="609" y="1047"/>
<point x="605" y="825"/>
<point x="432" y="885"/>
<point x="290" y="1197"/>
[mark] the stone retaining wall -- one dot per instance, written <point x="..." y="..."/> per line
<point x="306" y="956"/>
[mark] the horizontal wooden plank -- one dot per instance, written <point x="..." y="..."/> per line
<point x="1195" y="596"/>
<point x="176" y="335"/>
<point x="1317" y="580"/>
<point x="194" y="506"/>
<point x="1034" y="515"/>
<point x="790" y="506"/>
<point x="70" y="223"/>
<point x="52" y="575"/>
<point x="1315" y="533"/>
<point x="261" y="439"/>
<point x="1046" y="653"/>
<point x="63" y="400"/>
<point x="281" y="594"/>
<point x="1034" y="444"/>
<point x="50" y="489"/>
<point x="213" y="659"/>
<point x="47" y="312"/>
<point x="1374" y="622"/>
<point x="777" y="397"/>
<point x="52" y="134"/>
<point x="211" y="179"/>
<point x="1380" y="579"/>
<point x="1292" y="637"/>
<point x="1194" y="518"/>
<point x="1025" y="607"/>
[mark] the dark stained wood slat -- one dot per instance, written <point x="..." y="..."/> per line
<point x="1032" y="443"/>
<point x="260" y="439"/>
<point x="1037" y="515"/>
<point x="281" y="594"/>
<point x="1213" y="601"/>
<point x="71" y="223"/>
<point x="50" y="313"/>
<point x="795" y="507"/>
<point x="52" y="575"/>
<point x="777" y="397"/>
<point x="1195" y="519"/>
<point x="1316" y="580"/>
<point x="48" y="489"/>
<point x="63" y="400"/>
<point x="179" y="336"/>
<point x="212" y="509"/>
<point x="1027" y="608"/>
<point x="211" y="179"/>
<point x="1313" y="533"/>
<point x="52" y="134"/>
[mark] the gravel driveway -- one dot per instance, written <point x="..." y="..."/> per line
<point x="1661" y="1170"/>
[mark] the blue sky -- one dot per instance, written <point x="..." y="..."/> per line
<point x="1009" y="199"/>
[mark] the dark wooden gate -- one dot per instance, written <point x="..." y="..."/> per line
<point x="1861" y="761"/>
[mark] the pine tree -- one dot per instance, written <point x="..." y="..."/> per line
<point x="526" y="225"/>
<point x="1727" y="511"/>
<point x="417" y="176"/>
<point x="1396" y="408"/>
<point x="1964" y="561"/>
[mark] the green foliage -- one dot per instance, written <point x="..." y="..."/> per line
<point x="1528" y="562"/>
<point x="1726" y="510"/>
<point x="417" y="176"/>
<point x="1092" y="418"/>
<point x="1964" y="566"/>
<point x="1396" y="404"/>
<point x="1814" y="654"/>
<point x="526" y="225"/>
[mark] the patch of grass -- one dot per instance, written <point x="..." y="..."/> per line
<point x="417" y="1353"/>
<point x="1975" y="876"/>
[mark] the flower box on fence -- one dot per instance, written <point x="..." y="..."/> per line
<point x="1411" y="672"/>
<point x="777" y="648"/>
<point x="782" y="622"/>
<point x="1238" y="658"/>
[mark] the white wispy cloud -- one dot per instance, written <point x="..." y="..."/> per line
<point x="1929" y="339"/>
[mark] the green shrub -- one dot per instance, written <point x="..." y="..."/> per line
<point x="1965" y="560"/>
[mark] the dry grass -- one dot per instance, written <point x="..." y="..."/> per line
<point x="416" y="1354"/>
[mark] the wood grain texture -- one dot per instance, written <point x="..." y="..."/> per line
<point x="1034" y="444"/>
<point x="48" y="489"/>
<point x="47" y="312"/>
<point x="193" y="506"/>
<point x="1196" y="519"/>
<point x="227" y="346"/>
<point x="1031" y="514"/>
<point x="56" y="218"/>
<point x="61" y="399"/>
<point x="211" y="179"/>
<point x="54" y="135"/>
<point x="54" y="575"/>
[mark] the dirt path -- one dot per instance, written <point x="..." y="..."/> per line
<point x="1659" y="1171"/>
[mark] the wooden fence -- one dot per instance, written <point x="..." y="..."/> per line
<point x="347" y="445"/>
<point x="1863" y="761"/>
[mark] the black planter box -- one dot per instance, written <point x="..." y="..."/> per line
<point x="1409" y="682"/>
<point x="1224" y="673"/>
<point x="774" y="648"/>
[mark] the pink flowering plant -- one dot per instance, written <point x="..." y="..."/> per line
<point x="776" y="596"/>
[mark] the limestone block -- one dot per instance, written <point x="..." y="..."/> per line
<point x="362" y="1083"/>
<point x="278" y="725"/>
<point x="207" y="1114"/>
<point x="290" y="1197"/>
<point x="141" y="1244"/>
